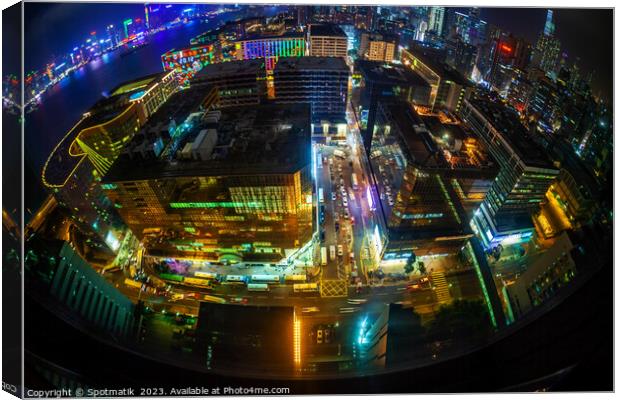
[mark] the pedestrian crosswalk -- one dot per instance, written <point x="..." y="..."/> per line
<point x="334" y="288"/>
<point x="442" y="291"/>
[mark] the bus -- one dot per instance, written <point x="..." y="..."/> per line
<point x="266" y="278"/>
<point x="171" y="277"/>
<point x="295" y="278"/>
<point x="214" y="299"/>
<point x="235" y="278"/>
<point x="132" y="283"/>
<point x="321" y="199"/>
<point x="305" y="287"/>
<point x="197" y="282"/>
<point x="354" y="181"/>
<point x="332" y="252"/>
<point x="205" y="275"/>
<point x="323" y="256"/>
<point x="258" y="287"/>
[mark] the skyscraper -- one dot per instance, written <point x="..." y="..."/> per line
<point x="547" y="47"/>
<point x="233" y="184"/>
<point x="436" y="19"/>
<point x="524" y="177"/>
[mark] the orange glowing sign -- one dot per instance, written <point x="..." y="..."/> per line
<point x="505" y="48"/>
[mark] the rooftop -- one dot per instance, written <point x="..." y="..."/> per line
<point x="506" y="121"/>
<point x="285" y="35"/>
<point x="326" y="30"/>
<point x="60" y="163"/>
<point x="312" y="63"/>
<point x="230" y="68"/>
<point x="432" y="58"/>
<point x="388" y="74"/>
<point x="432" y="144"/>
<point x="253" y="140"/>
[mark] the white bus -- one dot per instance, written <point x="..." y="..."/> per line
<point x="321" y="199"/>
<point x="354" y="181"/>
<point x="305" y="287"/>
<point x="258" y="287"/>
<point x="323" y="256"/>
<point x="266" y="278"/>
<point x="205" y="275"/>
<point x="235" y="278"/>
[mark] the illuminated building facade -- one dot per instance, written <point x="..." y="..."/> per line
<point x="547" y="53"/>
<point x="421" y="205"/>
<point x="321" y="81"/>
<point x="470" y="28"/>
<point x="436" y="19"/>
<point x="88" y="150"/>
<point x="524" y="178"/>
<point x="378" y="47"/>
<point x="374" y="82"/>
<point x="448" y="87"/>
<point x="270" y="48"/>
<point x="191" y="60"/>
<point x="544" y="105"/>
<point x="237" y="187"/>
<point x="239" y="83"/>
<point x="327" y="41"/>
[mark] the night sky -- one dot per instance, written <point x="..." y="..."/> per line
<point x="584" y="33"/>
<point x="587" y="33"/>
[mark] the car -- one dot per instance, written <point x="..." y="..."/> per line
<point x="337" y="226"/>
<point x="327" y="335"/>
<point x="239" y="300"/>
<point x="340" y="250"/>
<point x="333" y="196"/>
<point x="319" y="336"/>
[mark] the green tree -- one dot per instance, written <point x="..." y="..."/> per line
<point x="463" y="320"/>
<point x="409" y="266"/>
<point x="422" y="267"/>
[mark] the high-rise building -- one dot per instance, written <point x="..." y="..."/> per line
<point x="76" y="165"/>
<point x="525" y="172"/>
<point x="544" y="105"/>
<point x="547" y="52"/>
<point x="327" y="40"/>
<point x="190" y="60"/>
<point x="76" y="285"/>
<point x="436" y="19"/>
<point x="377" y="82"/>
<point x="423" y="199"/>
<point x="461" y="56"/>
<point x="378" y="46"/>
<point x="448" y="87"/>
<point x="239" y="83"/>
<point x="470" y="28"/>
<point x="233" y="184"/>
<point x="271" y="47"/>
<point x="320" y="81"/>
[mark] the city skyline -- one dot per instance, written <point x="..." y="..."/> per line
<point x="575" y="41"/>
